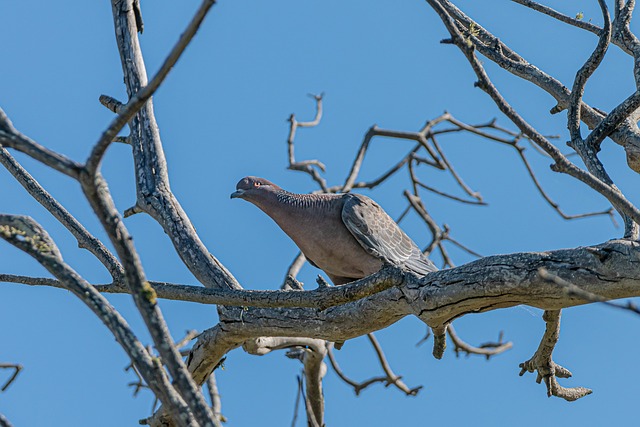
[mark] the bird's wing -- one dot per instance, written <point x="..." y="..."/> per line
<point x="380" y="236"/>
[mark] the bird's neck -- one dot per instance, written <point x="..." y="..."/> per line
<point x="290" y="210"/>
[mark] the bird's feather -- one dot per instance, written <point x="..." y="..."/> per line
<point x="380" y="236"/>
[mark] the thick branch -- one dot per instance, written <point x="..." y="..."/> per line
<point x="314" y="370"/>
<point x="494" y="282"/>
<point x="152" y="183"/>
<point x="487" y="284"/>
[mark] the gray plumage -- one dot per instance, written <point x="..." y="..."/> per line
<point x="348" y="236"/>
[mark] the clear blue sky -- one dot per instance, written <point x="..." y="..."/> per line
<point x="222" y="115"/>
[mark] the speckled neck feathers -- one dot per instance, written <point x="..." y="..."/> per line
<point x="305" y="201"/>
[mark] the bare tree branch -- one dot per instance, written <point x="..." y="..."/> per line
<point x="357" y="386"/>
<point x="588" y="152"/>
<point x="27" y="235"/>
<point x="321" y="298"/>
<point x="144" y="91"/>
<point x="311" y="353"/>
<point x="466" y="44"/>
<point x="575" y="291"/>
<point x="12" y="138"/>
<point x="292" y="272"/>
<point x="82" y="235"/>
<point x="389" y="377"/>
<point x="308" y="321"/>
<point x="547" y="369"/>
<point x="487" y="349"/>
<point x="311" y="419"/>
<point x="214" y="397"/>
<point x="140" y="384"/>
<point x="296" y="405"/>
<point x="494" y="49"/>
<point x="144" y="296"/>
<point x="152" y="183"/>
<point x="428" y="134"/>
<point x="560" y="17"/>
<point x="308" y="166"/>
<point x="16" y="370"/>
<point x="621" y="31"/>
<point x="552" y="203"/>
<point x="314" y="371"/>
<point x="4" y="422"/>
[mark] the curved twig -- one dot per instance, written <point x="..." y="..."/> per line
<point x="487" y="349"/>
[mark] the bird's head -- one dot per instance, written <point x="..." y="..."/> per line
<point x="252" y="188"/>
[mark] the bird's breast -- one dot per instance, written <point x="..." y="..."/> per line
<point x="327" y="242"/>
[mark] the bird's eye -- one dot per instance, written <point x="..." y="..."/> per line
<point x="256" y="184"/>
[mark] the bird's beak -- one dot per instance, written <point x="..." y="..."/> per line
<point x="237" y="194"/>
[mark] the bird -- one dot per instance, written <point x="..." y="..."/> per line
<point x="346" y="235"/>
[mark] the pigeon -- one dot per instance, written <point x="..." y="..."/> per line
<point x="348" y="236"/>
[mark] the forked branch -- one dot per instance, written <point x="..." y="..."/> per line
<point x="467" y="41"/>
<point x="546" y="368"/>
<point x="389" y="378"/>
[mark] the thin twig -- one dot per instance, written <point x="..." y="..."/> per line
<point x="559" y="16"/>
<point x="389" y="377"/>
<point x="321" y="298"/>
<point x="357" y="387"/>
<point x="487" y="349"/>
<point x="214" y="397"/>
<point x="575" y="291"/>
<point x="299" y="394"/>
<point x="550" y="201"/>
<point x="453" y="172"/>
<point x="16" y="370"/>
<point x="308" y="166"/>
